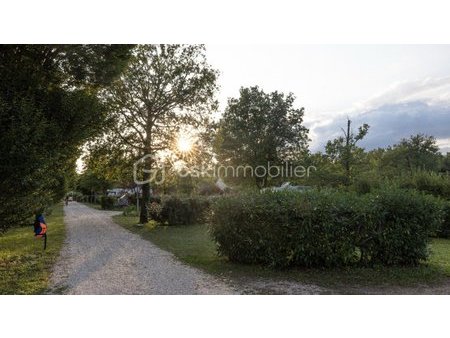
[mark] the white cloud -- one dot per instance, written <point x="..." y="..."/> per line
<point x="431" y="91"/>
<point x="444" y="145"/>
<point x="405" y="108"/>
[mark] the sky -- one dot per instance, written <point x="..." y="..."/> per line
<point x="399" y="90"/>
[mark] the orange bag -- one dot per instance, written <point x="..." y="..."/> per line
<point x="43" y="230"/>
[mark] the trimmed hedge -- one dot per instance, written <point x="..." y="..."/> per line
<point x="325" y="228"/>
<point x="180" y="211"/>
<point x="107" y="202"/>
<point x="434" y="184"/>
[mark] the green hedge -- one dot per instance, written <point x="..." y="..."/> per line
<point x="431" y="183"/>
<point x="107" y="202"/>
<point x="444" y="230"/>
<point x="325" y="228"/>
<point x="180" y="211"/>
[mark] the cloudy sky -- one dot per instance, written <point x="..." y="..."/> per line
<point x="398" y="90"/>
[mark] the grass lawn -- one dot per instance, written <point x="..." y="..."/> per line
<point x="193" y="245"/>
<point x="24" y="265"/>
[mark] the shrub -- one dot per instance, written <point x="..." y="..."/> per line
<point x="364" y="185"/>
<point x="444" y="230"/>
<point x="155" y="199"/>
<point x="325" y="228"/>
<point x="401" y="223"/>
<point x="430" y="183"/>
<point x="155" y="210"/>
<point x="177" y="211"/>
<point x="107" y="202"/>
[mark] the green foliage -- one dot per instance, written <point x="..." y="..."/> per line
<point x="445" y="164"/>
<point x="418" y="153"/>
<point x="107" y="202"/>
<point x="130" y="211"/>
<point x="258" y="128"/>
<point x="325" y="228"/>
<point x="194" y="246"/>
<point x="163" y="88"/>
<point x="49" y="106"/>
<point x="401" y="223"/>
<point x="444" y="230"/>
<point x="344" y="149"/>
<point x="364" y="184"/>
<point x="425" y="182"/>
<point x="327" y="173"/>
<point x="90" y="182"/>
<point x="429" y="182"/>
<point x="183" y="211"/>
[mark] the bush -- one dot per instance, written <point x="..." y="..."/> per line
<point x="107" y="202"/>
<point x="155" y="199"/>
<point x="177" y="211"/>
<point x="444" y="230"/>
<point x="401" y="223"/>
<point x="363" y="186"/>
<point x="155" y="210"/>
<point x="430" y="183"/>
<point x="325" y="228"/>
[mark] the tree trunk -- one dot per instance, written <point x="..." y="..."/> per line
<point x="143" y="217"/>
<point x="348" y="153"/>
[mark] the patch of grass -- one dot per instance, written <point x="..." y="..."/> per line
<point x="24" y="266"/>
<point x="193" y="245"/>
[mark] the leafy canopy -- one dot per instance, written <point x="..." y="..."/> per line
<point x="163" y="89"/>
<point x="49" y="107"/>
<point x="258" y="128"/>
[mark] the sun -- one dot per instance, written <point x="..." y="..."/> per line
<point x="185" y="143"/>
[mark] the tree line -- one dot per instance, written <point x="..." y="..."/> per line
<point x="118" y="103"/>
<point x="49" y="106"/>
<point x="167" y="87"/>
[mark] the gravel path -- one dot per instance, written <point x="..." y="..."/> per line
<point x="100" y="257"/>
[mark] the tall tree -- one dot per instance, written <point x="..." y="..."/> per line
<point x="48" y="108"/>
<point x="419" y="152"/>
<point x="344" y="148"/>
<point x="260" y="129"/>
<point x="163" y="88"/>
